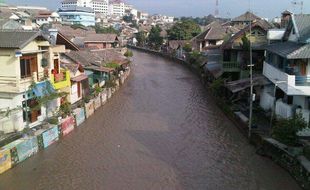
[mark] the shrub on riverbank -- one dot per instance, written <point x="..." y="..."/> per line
<point x="285" y="130"/>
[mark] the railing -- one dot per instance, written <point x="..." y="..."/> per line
<point x="302" y="80"/>
<point x="290" y="84"/>
<point x="231" y="66"/>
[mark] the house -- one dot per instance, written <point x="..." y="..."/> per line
<point x="176" y="47"/>
<point x="244" y="20"/>
<point x="236" y="50"/>
<point x="7" y="24"/>
<point x="101" y="41"/>
<point x="287" y="66"/>
<point x="212" y="37"/>
<point x="79" y="81"/>
<point x="94" y="69"/>
<point x="26" y="59"/>
<point x="44" y="17"/>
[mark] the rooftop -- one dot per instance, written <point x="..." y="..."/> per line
<point x="17" y="38"/>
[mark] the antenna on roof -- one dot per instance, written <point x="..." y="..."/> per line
<point x="299" y="3"/>
<point x="216" y="12"/>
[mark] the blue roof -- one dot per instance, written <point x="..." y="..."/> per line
<point x="43" y="89"/>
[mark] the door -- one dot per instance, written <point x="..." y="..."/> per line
<point x="56" y="66"/>
<point x="34" y="66"/>
<point x="79" y="89"/>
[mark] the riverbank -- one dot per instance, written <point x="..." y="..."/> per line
<point x="25" y="145"/>
<point x="160" y="131"/>
<point x="297" y="165"/>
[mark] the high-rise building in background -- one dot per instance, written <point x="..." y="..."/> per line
<point x="106" y="7"/>
<point x="99" y="6"/>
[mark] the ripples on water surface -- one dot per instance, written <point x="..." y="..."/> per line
<point x="161" y="131"/>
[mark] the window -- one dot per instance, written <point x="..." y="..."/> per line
<point x="28" y="65"/>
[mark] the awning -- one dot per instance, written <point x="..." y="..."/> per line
<point x="43" y="89"/>
<point x="215" y="68"/>
<point x="79" y="78"/>
<point x="239" y="85"/>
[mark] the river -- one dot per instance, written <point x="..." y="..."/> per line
<point x="161" y="131"/>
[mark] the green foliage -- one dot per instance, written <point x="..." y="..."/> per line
<point x="53" y="120"/>
<point x="184" y="30"/>
<point x="76" y="26"/>
<point x="285" y="130"/>
<point x="307" y="152"/>
<point x="97" y="90"/>
<point x="194" y="58"/>
<point x="128" y="53"/>
<point x="245" y="43"/>
<point x="128" y="18"/>
<point x="110" y="84"/>
<point x="203" y="21"/>
<point x="44" y="62"/>
<point x="112" y="65"/>
<point x="105" y="30"/>
<point x="86" y="99"/>
<point x="154" y="38"/>
<point x="65" y="109"/>
<point x="187" y="48"/>
<point x="141" y="38"/>
<point x="216" y="86"/>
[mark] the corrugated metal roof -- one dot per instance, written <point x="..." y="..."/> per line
<point x="290" y="50"/>
<point x="302" y="22"/>
<point x="16" y="39"/>
<point x="301" y="53"/>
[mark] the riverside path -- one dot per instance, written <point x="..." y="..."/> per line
<point x="161" y="131"/>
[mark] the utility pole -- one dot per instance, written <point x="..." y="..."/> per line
<point x="251" y="78"/>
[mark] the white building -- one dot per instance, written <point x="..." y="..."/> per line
<point x="287" y="66"/>
<point x="99" y="6"/>
<point x="117" y="9"/>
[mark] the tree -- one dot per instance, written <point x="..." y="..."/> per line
<point x="184" y="30"/>
<point x="194" y="58"/>
<point x="105" y="30"/>
<point x="246" y="51"/>
<point x="128" y="18"/>
<point x="141" y="38"/>
<point x="187" y="47"/>
<point x="154" y="38"/>
<point x="128" y="53"/>
<point x="285" y="130"/>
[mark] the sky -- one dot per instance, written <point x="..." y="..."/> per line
<point x="227" y="8"/>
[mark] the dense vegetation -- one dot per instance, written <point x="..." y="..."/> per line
<point x="184" y="30"/>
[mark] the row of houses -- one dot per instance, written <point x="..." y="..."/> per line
<point x="280" y="55"/>
<point x="42" y="70"/>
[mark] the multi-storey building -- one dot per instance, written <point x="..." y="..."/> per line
<point x="99" y="6"/>
<point x="27" y="60"/>
<point x="117" y="9"/>
<point x="287" y="66"/>
<point x="77" y="15"/>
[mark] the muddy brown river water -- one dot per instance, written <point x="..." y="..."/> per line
<point x="161" y="131"/>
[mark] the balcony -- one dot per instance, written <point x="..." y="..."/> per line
<point x="231" y="66"/>
<point x="290" y="84"/>
<point x="61" y="80"/>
